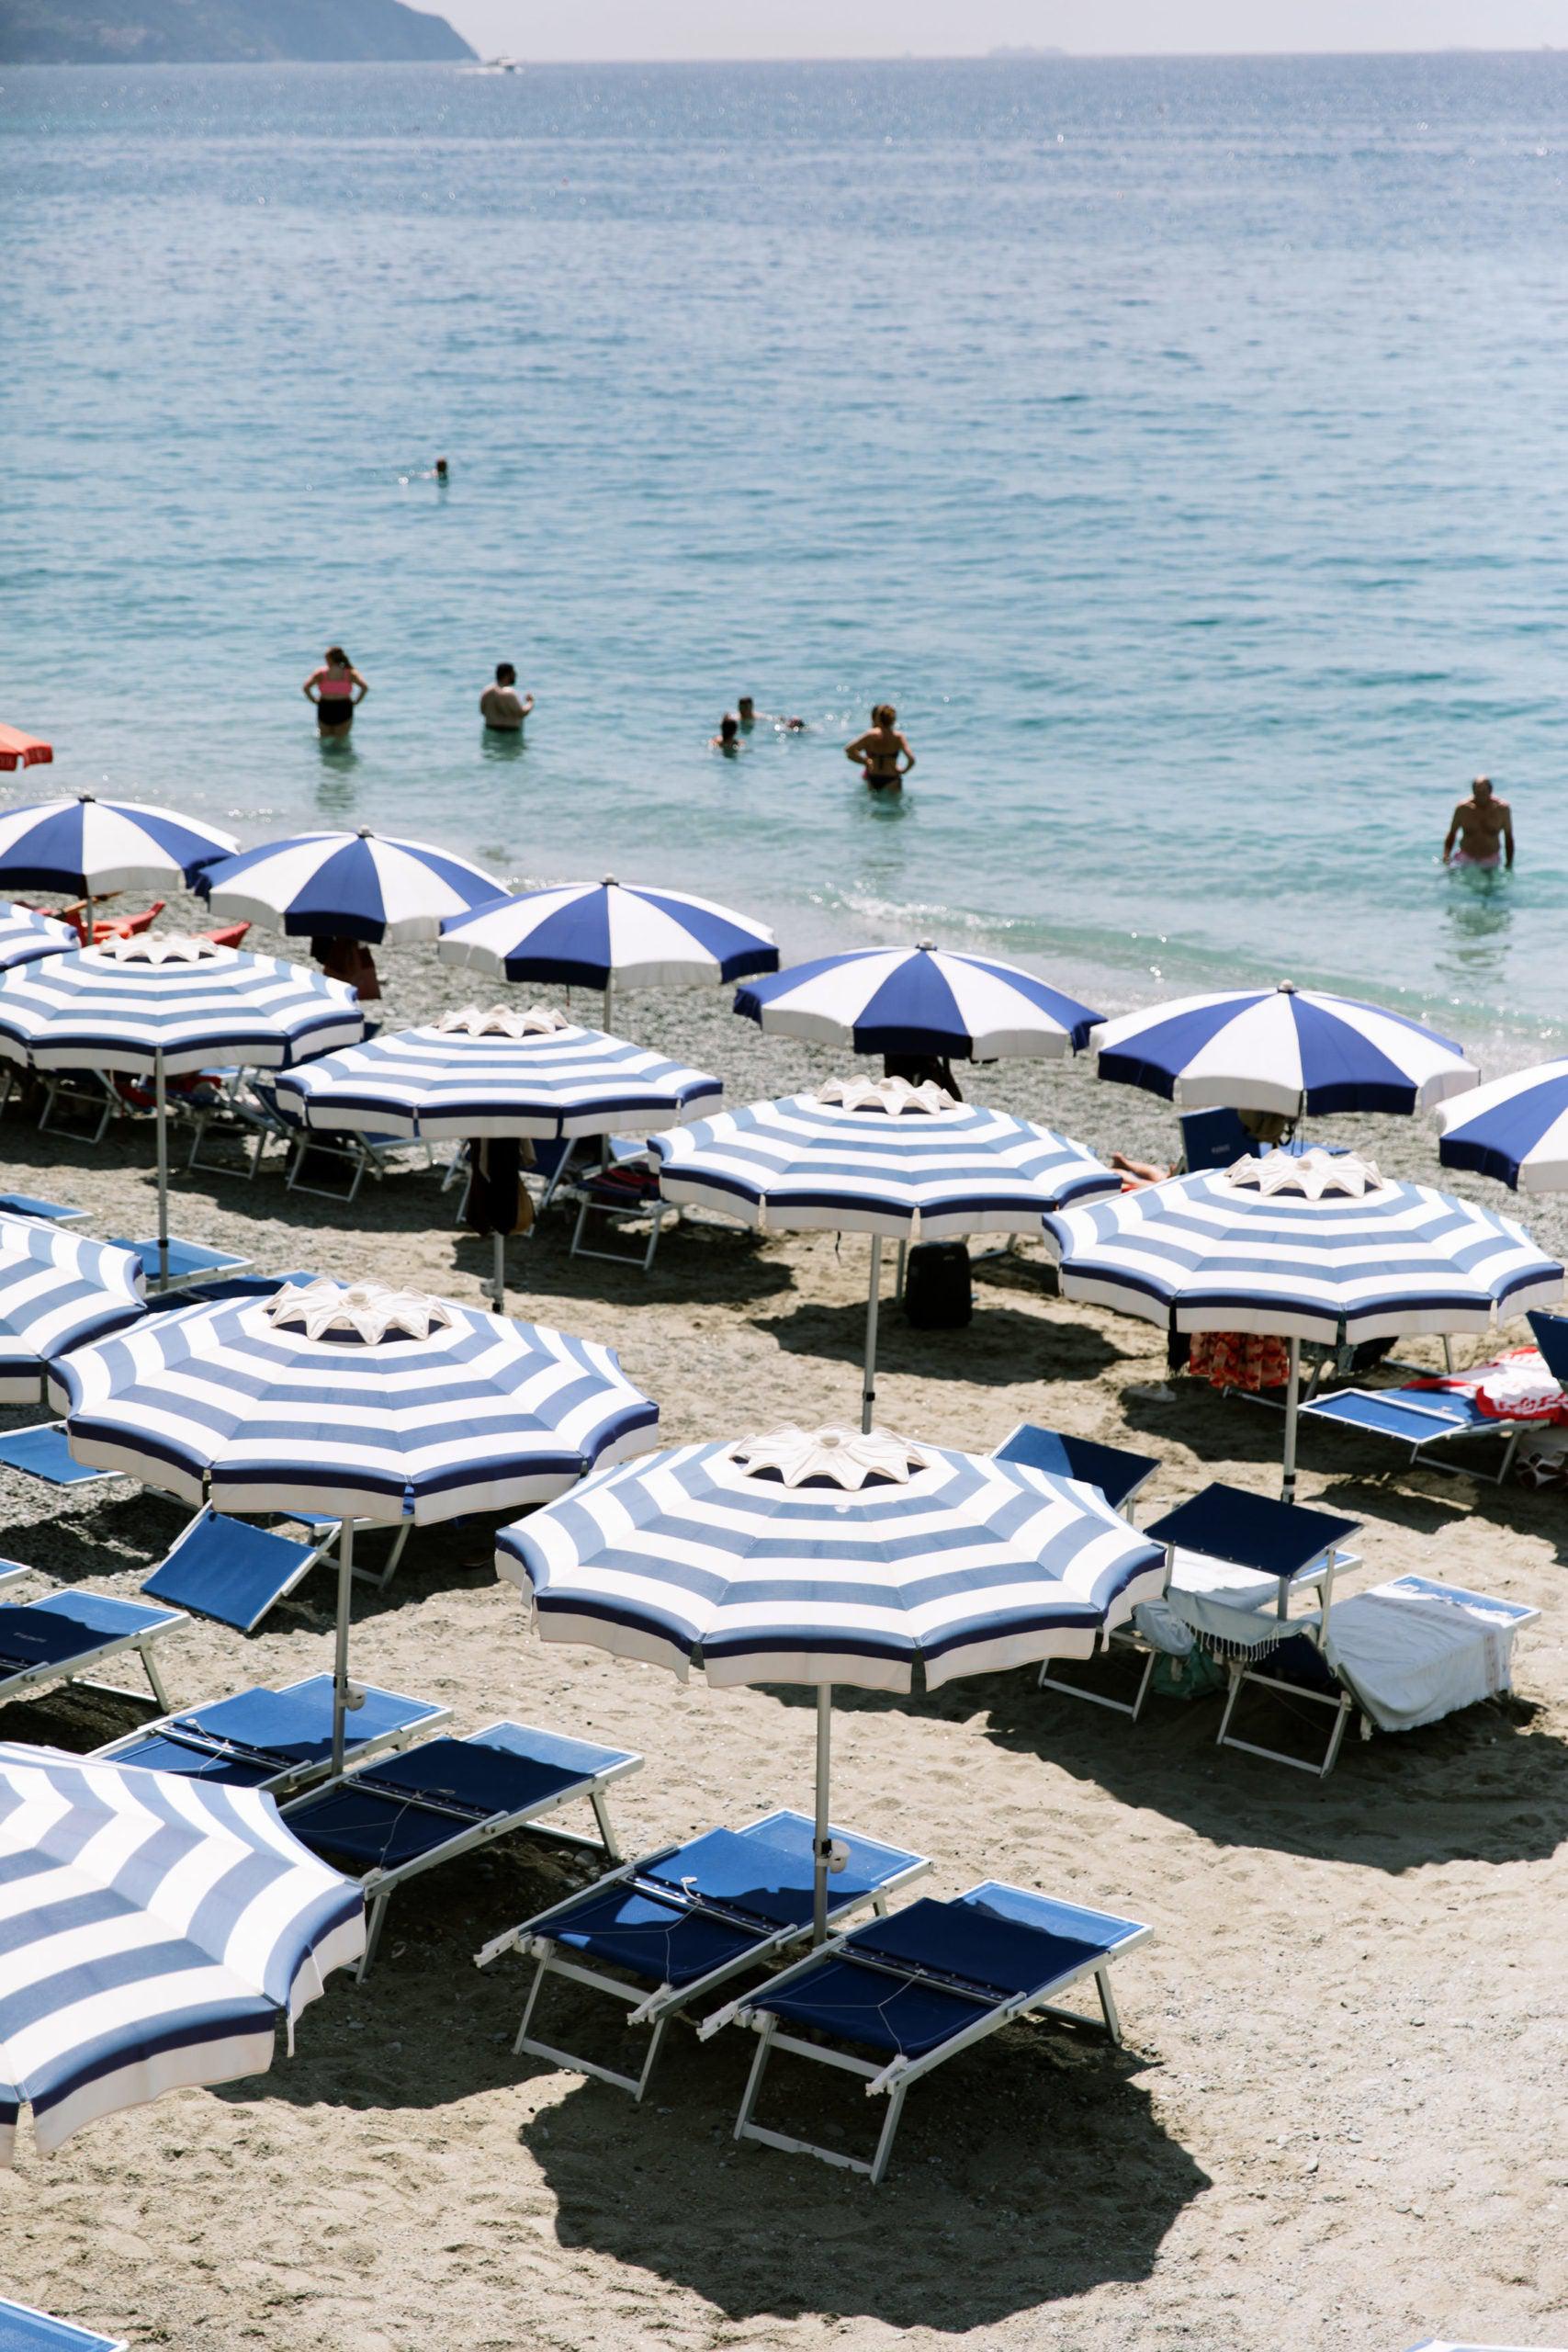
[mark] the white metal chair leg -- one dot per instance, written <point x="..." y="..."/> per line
<point x="889" y="2127"/>
<point x="754" y="2080"/>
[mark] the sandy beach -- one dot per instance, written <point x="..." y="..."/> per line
<point x="1336" y="2118"/>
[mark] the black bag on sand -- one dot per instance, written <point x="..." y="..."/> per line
<point x="938" y="1292"/>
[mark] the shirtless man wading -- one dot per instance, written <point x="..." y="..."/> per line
<point x="1483" y="828"/>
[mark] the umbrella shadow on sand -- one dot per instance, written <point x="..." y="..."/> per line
<point x="1003" y="1347"/>
<point x="1032" y="2170"/>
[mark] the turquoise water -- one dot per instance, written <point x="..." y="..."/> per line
<point x="1179" y="445"/>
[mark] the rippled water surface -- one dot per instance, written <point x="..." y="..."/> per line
<point x="1179" y="445"/>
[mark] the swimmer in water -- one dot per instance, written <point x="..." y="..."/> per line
<point x="502" y="708"/>
<point x="876" y="754"/>
<point x="1483" y="828"/>
<point x="749" y="715"/>
<point x="442" y="475"/>
<point x="727" y="740"/>
<point x="335" y="697"/>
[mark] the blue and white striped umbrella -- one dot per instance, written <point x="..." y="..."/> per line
<point x="161" y="1005"/>
<point x="26" y="936"/>
<point x="495" y="1073"/>
<point x="91" y="846"/>
<point x="1515" y="1128"/>
<point x="57" y="1292"/>
<point x="920" y="1000"/>
<point x="1320" y="1249"/>
<point x="828" y="1558"/>
<point x="348" y="886"/>
<point x="876" y="1156"/>
<point x="601" y="934"/>
<point x="1291" y="1051"/>
<point x="356" y="1402"/>
<point x="154" y="1933"/>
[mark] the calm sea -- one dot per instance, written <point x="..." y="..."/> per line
<point x="1182" y="446"/>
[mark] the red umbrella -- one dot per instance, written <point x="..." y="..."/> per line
<point x="19" y="750"/>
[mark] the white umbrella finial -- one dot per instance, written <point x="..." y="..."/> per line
<point x="847" y="1458"/>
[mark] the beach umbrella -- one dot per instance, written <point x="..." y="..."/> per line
<point x="56" y="1293"/>
<point x="26" y="936"/>
<point x="1321" y="1248"/>
<point x="923" y="999"/>
<point x="91" y="846"/>
<point x="1287" y="1050"/>
<point x="1514" y="1128"/>
<point x="877" y="1155"/>
<point x="352" y="1402"/>
<point x="19" y="749"/>
<point x="501" y="1073"/>
<point x="347" y="886"/>
<point x="601" y="934"/>
<point x="161" y="1005"/>
<point x="829" y="1557"/>
<point x="154" y="1933"/>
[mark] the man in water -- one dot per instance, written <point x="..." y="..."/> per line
<point x="750" y="716"/>
<point x="502" y="708"/>
<point x="876" y="754"/>
<point x="1483" y="828"/>
<point x="727" y="740"/>
<point x="442" y="475"/>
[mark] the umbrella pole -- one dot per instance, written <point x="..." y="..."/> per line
<point x="822" y="1840"/>
<point x="1292" y="1399"/>
<point x="499" y="1280"/>
<point x="868" y="1387"/>
<point x="161" y="1100"/>
<point x="340" y="1664"/>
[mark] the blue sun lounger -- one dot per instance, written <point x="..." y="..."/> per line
<point x="24" y="2330"/>
<point x="659" y="1934"/>
<point x="391" y="1821"/>
<point x="276" y="1740"/>
<point x="234" y="1571"/>
<point x="188" y="1260"/>
<point x="1119" y="1474"/>
<point x="42" y="1451"/>
<point x="1421" y="1420"/>
<point x="30" y="1205"/>
<point x="58" y="1640"/>
<point x="916" y="1988"/>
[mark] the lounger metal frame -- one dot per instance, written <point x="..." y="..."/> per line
<point x="289" y="1780"/>
<point x="892" y="2079"/>
<point x="659" y="2008"/>
<point x="61" y="1674"/>
<point x="380" y="1885"/>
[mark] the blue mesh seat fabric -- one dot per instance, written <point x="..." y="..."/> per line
<point x="410" y="1805"/>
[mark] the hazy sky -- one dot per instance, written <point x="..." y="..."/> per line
<point x="677" y="29"/>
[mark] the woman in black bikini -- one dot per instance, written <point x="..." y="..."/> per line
<point x="876" y="754"/>
<point x="334" y="696"/>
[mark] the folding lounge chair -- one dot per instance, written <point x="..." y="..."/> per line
<point x="59" y="1639"/>
<point x="625" y="1187"/>
<point x="919" y="1987"/>
<point x="1233" y="1561"/>
<point x="24" y="2330"/>
<point x="42" y="1451"/>
<point x="234" y="1571"/>
<point x="276" y="1740"/>
<point x="1118" y="1474"/>
<point x="1421" y="1420"/>
<point x="88" y="1093"/>
<point x="188" y="1260"/>
<point x="30" y="1205"/>
<point x="1407" y="1653"/>
<point x="247" y="1115"/>
<point x="391" y="1821"/>
<point x="680" y="1923"/>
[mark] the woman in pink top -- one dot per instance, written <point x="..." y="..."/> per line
<point x="333" y="694"/>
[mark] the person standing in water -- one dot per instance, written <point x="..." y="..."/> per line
<point x="1483" y="828"/>
<point x="878" y="752"/>
<point x="335" y="695"/>
<point x="502" y="708"/>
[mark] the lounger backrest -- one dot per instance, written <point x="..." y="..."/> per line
<point x="1551" y="1338"/>
<point x="740" y="1872"/>
<point x="973" y="1947"/>
<point x="1114" y="1470"/>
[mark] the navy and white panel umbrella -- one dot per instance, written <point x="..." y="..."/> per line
<point x="91" y="846"/>
<point x="496" y="1072"/>
<point x="1287" y="1050"/>
<point x="876" y="1156"/>
<point x="348" y="886"/>
<point x="57" y="1292"/>
<point x="163" y="1005"/>
<point x="610" y="933"/>
<point x="922" y="1000"/>
<point x="352" y="1401"/>
<point x="1319" y="1248"/>
<point x="154" y="1933"/>
<point x="826" y="1557"/>
<point x="26" y="936"/>
<point x="1515" y="1128"/>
